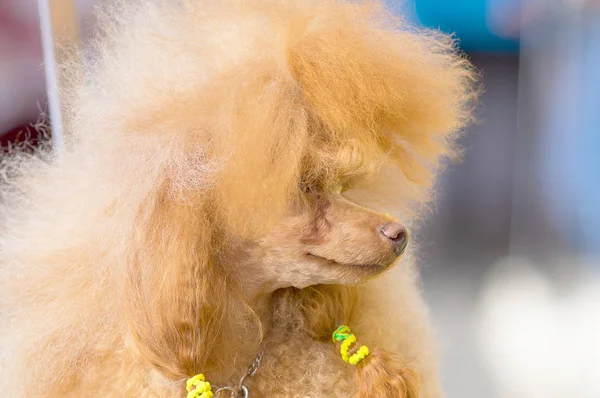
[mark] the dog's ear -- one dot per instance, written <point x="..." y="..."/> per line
<point x="369" y="76"/>
<point x="379" y="375"/>
<point x="180" y="307"/>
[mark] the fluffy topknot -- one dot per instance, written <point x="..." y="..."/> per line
<point x="273" y="91"/>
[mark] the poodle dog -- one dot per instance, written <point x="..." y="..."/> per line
<point x="206" y="207"/>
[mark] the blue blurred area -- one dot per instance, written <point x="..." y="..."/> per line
<point x="570" y="164"/>
<point x="468" y="20"/>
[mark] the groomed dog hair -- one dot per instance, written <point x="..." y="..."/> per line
<point x="191" y="125"/>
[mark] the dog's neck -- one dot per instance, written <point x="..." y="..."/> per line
<point x="275" y="304"/>
<point x="257" y="292"/>
<point x="259" y="296"/>
<point x="258" y="288"/>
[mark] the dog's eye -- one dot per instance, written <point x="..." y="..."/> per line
<point x="305" y="188"/>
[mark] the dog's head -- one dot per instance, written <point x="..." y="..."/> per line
<point x="337" y="102"/>
<point x="247" y="126"/>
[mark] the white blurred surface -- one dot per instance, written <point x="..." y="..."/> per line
<point x="537" y="338"/>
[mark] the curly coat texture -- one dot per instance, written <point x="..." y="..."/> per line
<point x="152" y="249"/>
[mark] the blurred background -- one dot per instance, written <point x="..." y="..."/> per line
<point x="510" y="260"/>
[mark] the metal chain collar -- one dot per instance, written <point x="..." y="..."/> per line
<point x="241" y="391"/>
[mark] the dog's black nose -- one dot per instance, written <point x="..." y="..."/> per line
<point x="397" y="234"/>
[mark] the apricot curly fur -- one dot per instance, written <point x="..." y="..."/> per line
<point x="381" y="376"/>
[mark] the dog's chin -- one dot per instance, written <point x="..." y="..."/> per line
<point x="352" y="272"/>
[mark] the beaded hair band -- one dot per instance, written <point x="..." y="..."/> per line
<point x="344" y="335"/>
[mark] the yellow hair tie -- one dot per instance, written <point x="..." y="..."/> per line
<point x="344" y="335"/>
<point x="198" y="388"/>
